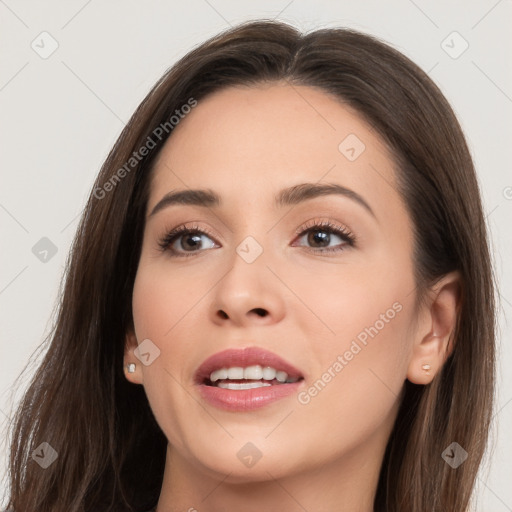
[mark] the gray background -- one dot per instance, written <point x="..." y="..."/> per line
<point x="61" y="115"/>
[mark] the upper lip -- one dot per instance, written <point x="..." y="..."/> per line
<point x="242" y="358"/>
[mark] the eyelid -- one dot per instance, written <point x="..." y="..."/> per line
<point x="190" y="226"/>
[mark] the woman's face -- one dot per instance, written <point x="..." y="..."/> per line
<point x="334" y="301"/>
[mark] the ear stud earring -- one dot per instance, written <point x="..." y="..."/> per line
<point x="426" y="368"/>
<point x="130" y="367"/>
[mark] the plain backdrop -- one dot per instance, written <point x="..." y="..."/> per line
<point x="61" y="112"/>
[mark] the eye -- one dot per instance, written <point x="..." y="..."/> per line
<point x="322" y="237"/>
<point x="183" y="240"/>
<point x="325" y="236"/>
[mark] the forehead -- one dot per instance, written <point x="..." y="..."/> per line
<point x="241" y="141"/>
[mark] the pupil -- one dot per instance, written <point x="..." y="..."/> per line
<point x="319" y="237"/>
<point x="196" y="238"/>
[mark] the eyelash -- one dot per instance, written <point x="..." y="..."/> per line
<point x="325" y="226"/>
<point x="331" y="228"/>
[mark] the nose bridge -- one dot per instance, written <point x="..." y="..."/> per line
<point x="248" y="290"/>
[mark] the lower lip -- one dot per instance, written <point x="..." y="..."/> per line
<point x="246" y="399"/>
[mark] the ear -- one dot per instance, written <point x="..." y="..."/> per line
<point x="130" y="345"/>
<point x="435" y="336"/>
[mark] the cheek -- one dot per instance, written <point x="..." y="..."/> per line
<point x="363" y="301"/>
<point x="163" y="307"/>
<point x="163" y="297"/>
<point x="356" y="384"/>
<point x="358" y="324"/>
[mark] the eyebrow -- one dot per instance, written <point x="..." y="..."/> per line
<point x="287" y="197"/>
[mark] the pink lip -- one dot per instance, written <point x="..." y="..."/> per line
<point x="247" y="399"/>
<point x="244" y="357"/>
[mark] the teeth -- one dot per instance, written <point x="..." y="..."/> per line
<point x="269" y="373"/>
<point x="235" y="373"/>
<point x="219" y="375"/>
<point x="242" y="385"/>
<point x="255" y="372"/>
<point x="281" y="376"/>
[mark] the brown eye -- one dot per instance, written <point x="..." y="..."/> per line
<point x="326" y="237"/>
<point x="319" y="238"/>
<point x="183" y="241"/>
<point x="189" y="241"/>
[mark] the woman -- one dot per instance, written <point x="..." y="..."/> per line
<point x="279" y="296"/>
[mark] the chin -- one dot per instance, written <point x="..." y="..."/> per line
<point x="245" y="464"/>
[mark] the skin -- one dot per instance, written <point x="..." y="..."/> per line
<point x="246" y="144"/>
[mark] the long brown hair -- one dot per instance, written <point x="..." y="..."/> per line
<point x="111" y="452"/>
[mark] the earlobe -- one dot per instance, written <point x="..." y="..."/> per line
<point x="436" y="345"/>
<point x="132" y="370"/>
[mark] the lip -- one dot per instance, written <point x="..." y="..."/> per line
<point x="244" y="357"/>
<point x="247" y="399"/>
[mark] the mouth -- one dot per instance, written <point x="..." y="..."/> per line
<point x="250" y="368"/>
<point x="250" y="377"/>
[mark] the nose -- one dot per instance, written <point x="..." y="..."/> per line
<point x="248" y="295"/>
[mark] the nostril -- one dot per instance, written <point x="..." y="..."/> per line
<point x="260" y="311"/>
